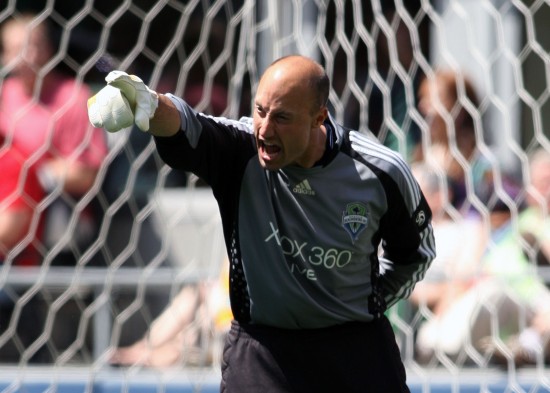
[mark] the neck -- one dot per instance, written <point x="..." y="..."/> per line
<point x="318" y="145"/>
<point x="30" y="83"/>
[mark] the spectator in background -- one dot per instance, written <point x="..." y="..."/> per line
<point x="190" y="331"/>
<point x="532" y="344"/>
<point x="459" y="240"/>
<point x="43" y="114"/>
<point x="390" y="95"/>
<point x="500" y="288"/>
<point x="20" y="237"/>
<point x="20" y="192"/>
<point x="445" y="100"/>
<point x="534" y="221"/>
<point x="43" y="117"/>
<point x="402" y="92"/>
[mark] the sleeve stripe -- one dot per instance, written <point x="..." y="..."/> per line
<point x="368" y="147"/>
<point x="427" y="248"/>
<point x="244" y="124"/>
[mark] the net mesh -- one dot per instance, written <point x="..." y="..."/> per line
<point x="112" y="259"/>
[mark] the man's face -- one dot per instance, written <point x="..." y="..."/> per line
<point x="25" y="50"/>
<point x="283" y="122"/>
<point x="434" y="104"/>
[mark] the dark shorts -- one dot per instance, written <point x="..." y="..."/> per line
<point x="354" y="357"/>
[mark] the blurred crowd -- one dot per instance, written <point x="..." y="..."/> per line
<point x="72" y="195"/>
<point x="482" y="301"/>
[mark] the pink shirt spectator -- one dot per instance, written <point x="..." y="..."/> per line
<point x="55" y="126"/>
<point x="20" y="191"/>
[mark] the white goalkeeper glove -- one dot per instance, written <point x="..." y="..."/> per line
<point x="124" y="101"/>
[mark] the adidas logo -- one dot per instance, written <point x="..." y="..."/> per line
<point x="303" y="188"/>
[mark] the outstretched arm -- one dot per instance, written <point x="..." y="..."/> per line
<point x="126" y="101"/>
<point x="166" y="119"/>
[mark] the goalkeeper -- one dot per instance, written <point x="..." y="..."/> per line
<point x="305" y="204"/>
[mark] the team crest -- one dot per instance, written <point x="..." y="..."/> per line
<point x="355" y="219"/>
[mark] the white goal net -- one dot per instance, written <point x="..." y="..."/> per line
<point x="139" y="247"/>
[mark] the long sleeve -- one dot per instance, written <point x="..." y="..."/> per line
<point x="407" y="241"/>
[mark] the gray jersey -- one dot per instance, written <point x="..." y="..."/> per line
<point x="312" y="247"/>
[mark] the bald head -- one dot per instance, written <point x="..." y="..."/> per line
<point x="290" y="112"/>
<point x="304" y="74"/>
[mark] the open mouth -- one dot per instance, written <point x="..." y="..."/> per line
<point x="268" y="151"/>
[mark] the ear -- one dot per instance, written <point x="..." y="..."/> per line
<point x="320" y="117"/>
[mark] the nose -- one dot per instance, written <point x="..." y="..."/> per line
<point x="267" y="128"/>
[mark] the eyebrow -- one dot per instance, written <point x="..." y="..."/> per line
<point x="276" y="111"/>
